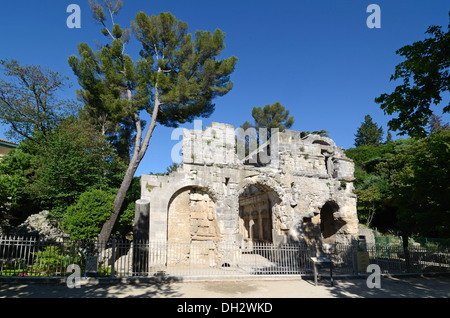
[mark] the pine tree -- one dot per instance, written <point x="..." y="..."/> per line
<point x="435" y="123"/>
<point x="266" y="118"/>
<point x="174" y="81"/>
<point x="388" y="137"/>
<point x="272" y="116"/>
<point x="368" y="133"/>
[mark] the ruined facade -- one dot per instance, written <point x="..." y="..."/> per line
<point x="297" y="190"/>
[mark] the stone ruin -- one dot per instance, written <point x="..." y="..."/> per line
<point x="296" y="190"/>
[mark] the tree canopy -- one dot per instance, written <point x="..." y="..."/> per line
<point x="175" y="79"/>
<point x="29" y="99"/>
<point x="401" y="185"/>
<point x="426" y="77"/>
<point x="369" y="133"/>
<point x="271" y="116"/>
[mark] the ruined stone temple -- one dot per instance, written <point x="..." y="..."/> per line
<point x="300" y="192"/>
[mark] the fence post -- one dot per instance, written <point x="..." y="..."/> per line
<point x="354" y="247"/>
<point x="113" y="256"/>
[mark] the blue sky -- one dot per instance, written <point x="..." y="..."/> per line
<point x="317" y="58"/>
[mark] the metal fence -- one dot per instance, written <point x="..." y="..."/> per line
<point x="33" y="257"/>
<point x="413" y="241"/>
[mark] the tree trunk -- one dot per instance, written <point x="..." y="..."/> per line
<point x="118" y="201"/>
<point x="139" y="152"/>
<point x="405" y="249"/>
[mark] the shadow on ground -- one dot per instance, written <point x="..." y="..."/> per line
<point x="390" y="287"/>
<point x="156" y="290"/>
<point x="162" y="287"/>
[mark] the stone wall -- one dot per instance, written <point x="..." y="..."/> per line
<point x="205" y="197"/>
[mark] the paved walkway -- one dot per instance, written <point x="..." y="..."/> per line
<point x="399" y="287"/>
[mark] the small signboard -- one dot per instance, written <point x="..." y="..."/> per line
<point x="362" y="259"/>
<point x="91" y="265"/>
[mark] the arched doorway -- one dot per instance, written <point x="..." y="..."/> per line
<point x="256" y="219"/>
<point x="192" y="216"/>
<point x="328" y="225"/>
<point x="323" y="227"/>
<point x="192" y="229"/>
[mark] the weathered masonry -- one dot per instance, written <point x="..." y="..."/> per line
<point x="302" y="192"/>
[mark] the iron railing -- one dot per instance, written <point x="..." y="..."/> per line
<point x="33" y="257"/>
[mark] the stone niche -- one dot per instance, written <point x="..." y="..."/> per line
<point x="255" y="216"/>
<point x="195" y="208"/>
<point x="192" y="222"/>
<point x="303" y="193"/>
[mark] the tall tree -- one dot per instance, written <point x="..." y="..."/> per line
<point x="106" y="76"/>
<point x="272" y="116"/>
<point x="50" y="174"/>
<point x="422" y="191"/>
<point x="29" y="99"/>
<point x="276" y="116"/>
<point x="388" y="137"/>
<point x="435" y="123"/>
<point x="71" y="159"/>
<point x="175" y="80"/>
<point x="368" y="133"/>
<point x="426" y="76"/>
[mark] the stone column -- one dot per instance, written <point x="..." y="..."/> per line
<point x="260" y="226"/>
<point x="251" y="227"/>
<point x="141" y="228"/>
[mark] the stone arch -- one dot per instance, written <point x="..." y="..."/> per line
<point x="191" y="215"/>
<point x="263" y="183"/>
<point x="180" y="186"/>
<point x="259" y="199"/>
<point x="328" y="222"/>
<point x="325" y="225"/>
<point x="189" y="186"/>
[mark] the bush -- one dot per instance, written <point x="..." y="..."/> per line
<point x="52" y="260"/>
<point x="85" y="218"/>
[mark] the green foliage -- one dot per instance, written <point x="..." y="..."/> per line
<point x="402" y="185"/>
<point x="275" y="116"/>
<point x="54" y="259"/>
<point x="71" y="160"/>
<point x="425" y="75"/>
<point x="435" y="123"/>
<point x="375" y="173"/>
<point x="422" y="191"/>
<point x="124" y="224"/>
<point x="322" y="132"/>
<point x="183" y="69"/>
<point x="175" y="80"/>
<point x="368" y="200"/>
<point x="16" y="204"/>
<point x="272" y="116"/>
<point x="84" y="219"/>
<point x="368" y="133"/>
<point x="11" y="196"/>
<point x="67" y="161"/>
<point x="173" y="167"/>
